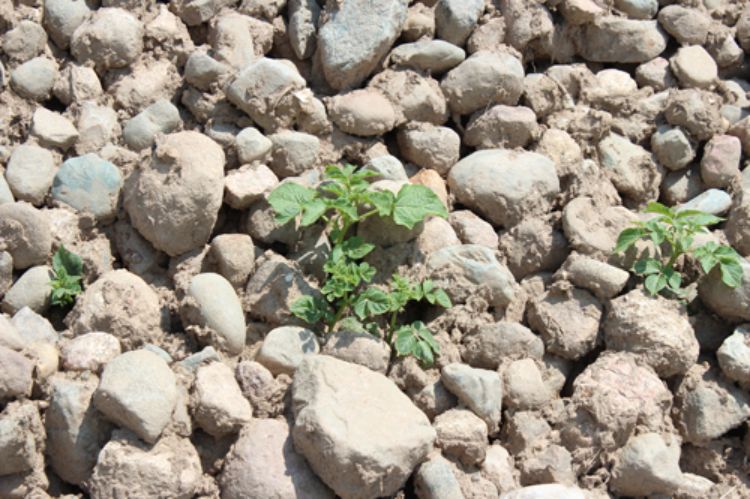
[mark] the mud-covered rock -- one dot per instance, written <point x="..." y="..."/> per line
<point x="110" y="38"/>
<point x="479" y="389"/>
<point x="462" y="435"/>
<point x="618" y="39"/>
<point x="648" y="464"/>
<point x="24" y="234"/>
<point x="492" y="343"/>
<point x="219" y="407"/>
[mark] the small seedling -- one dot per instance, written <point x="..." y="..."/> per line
<point x="672" y="233"/>
<point x="67" y="268"/>
<point x="343" y="199"/>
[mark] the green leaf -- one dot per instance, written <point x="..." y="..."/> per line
<point x="371" y="303"/>
<point x="702" y="219"/>
<point x="708" y="262"/>
<point x="382" y="201"/>
<point x="655" y="283"/>
<point x="442" y="298"/>
<point x="67" y="261"/>
<point x="414" y="203"/>
<point x="312" y="212"/>
<point x="647" y="266"/>
<point x="654" y="207"/>
<point x="356" y="248"/>
<point x="627" y="238"/>
<point x="731" y="273"/>
<point x="426" y="335"/>
<point x="674" y="280"/>
<point x="311" y="309"/>
<point x="366" y="271"/>
<point x="406" y="341"/>
<point x="288" y="200"/>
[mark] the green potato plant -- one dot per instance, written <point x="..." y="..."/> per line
<point x="343" y="199"/>
<point x="672" y="233"/>
<point x="67" y="268"/>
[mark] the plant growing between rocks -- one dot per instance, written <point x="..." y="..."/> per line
<point x="343" y="199"/>
<point x="672" y="233"/>
<point x="67" y="268"/>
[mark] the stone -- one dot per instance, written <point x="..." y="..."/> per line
<point x="182" y="217"/>
<point x="546" y="490"/>
<point x="720" y="164"/>
<point x="252" y="145"/>
<point x="435" y="480"/>
<point x="293" y="153"/>
<point x="694" y="67"/>
<point x="534" y="245"/>
<point x="264" y="463"/>
<point x="631" y="169"/>
<point x="464" y="269"/>
<point x="16" y="377"/>
<point x="433" y="56"/>
<point x="303" y="26"/>
<point x="414" y="96"/>
<point x="523" y="385"/>
<point x="363" y="112"/>
<point x="90" y="351"/>
<point x="202" y="70"/>
<point x="75" y="431"/>
<point x="672" y="147"/>
<point x="505" y="186"/>
<point x="713" y="201"/>
<point x="29" y="173"/>
<point x="219" y="407"/>
<point x="25" y="234"/>
<point x="638" y="9"/>
<point x="6" y="196"/>
<point x="138" y="391"/>
<point x="6" y="272"/>
<point x="195" y="12"/>
<point x="387" y="168"/>
<point x="688" y="26"/>
<point x="266" y="394"/>
<point x="604" y="280"/>
<point x="656" y="74"/>
<point x="455" y="19"/>
<point x="490" y="344"/>
<point x="621" y="40"/>
<point x="734" y="355"/>
<point x="171" y="467"/>
<point x="420" y="23"/>
<point x="430" y="146"/>
<point x="110" y="38"/>
<point x="97" y="127"/>
<point x="471" y="229"/>
<point x="32" y="289"/>
<point x="359" y="348"/>
<point x="462" y="435"/>
<point x="732" y="304"/>
<point x="234" y="255"/>
<point x="498" y="467"/>
<point x="284" y="348"/>
<point x="479" y="389"/>
<point x="213" y="306"/>
<point x="21" y="439"/>
<point x="695" y="110"/>
<point x="502" y="126"/>
<point x="89" y="184"/>
<point x="34" y="79"/>
<point x="62" y="17"/>
<point x="140" y="131"/>
<point x="552" y="464"/>
<point x="344" y="413"/>
<point x="248" y="184"/>
<point x="482" y="79"/>
<point x="707" y="405"/>
<point x="53" y="129"/>
<point x="356" y="36"/>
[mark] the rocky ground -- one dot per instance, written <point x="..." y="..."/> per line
<point x="145" y="137"/>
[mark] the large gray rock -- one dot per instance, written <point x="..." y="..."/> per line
<point x="138" y="391"/>
<point x="731" y="303"/>
<point x="505" y="185"/>
<point x="356" y="37"/>
<point x="76" y="432"/>
<point x="263" y="463"/>
<point x="218" y="404"/>
<point x="479" y="389"/>
<point x="181" y="217"/>
<point x="346" y="415"/>
<point x="24" y="233"/>
<point x="647" y="465"/>
<point x="621" y="40"/>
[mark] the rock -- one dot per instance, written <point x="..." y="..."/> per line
<point x="202" y="70"/>
<point x="138" y="391"/>
<point x="479" y="389"/>
<point x="414" y="97"/>
<point x="505" y="185"/>
<point x="213" y="306"/>
<point x="266" y="395"/>
<point x="195" y="12"/>
<point x="160" y="117"/>
<point x="110" y="38"/>
<point x="181" y="218"/>
<point x="35" y="328"/>
<point x="697" y="111"/>
<point x="284" y="348"/>
<point x="741" y="130"/>
<point x="462" y="436"/>
<point x="638" y="9"/>
<point x="32" y="289"/>
<point x="122" y="304"/>
<point x="219" y="407"/>
<point x="435" y="399"/>
<point x="97" y="127"/>
<point x="655" y="73"/>
<point x="359" y="348"/>
<point x="420" y="23"/>
<point x="329" y="396"/>
<point x="34" y="79"/>
<point x="75" y="431"/>
<point x="546" y="490"/>
<point x="591" y="228"/>
<point x="547" y="465"/>
<point x="631" y="169"/>
<point x="52" y="129"/>
<point x="77" y="83"/>
<point x="430" y="146"/>
<point x="720" y="164"/>
<point x="21" y="438"/>
<point x="524" y="387"/>
<point x="25" y="234"/>
<point x="433" y="56"/>
<point x="234" y="255"/>
<point x="196" y="360"/>
<point x="303" y="26"/>
<point x="6" y="272"/>
<point x="251" y="145"/>
<point x="568" y="320"/>
<point x="604" y="280"/>
<point x="248" y="184"/>
<point x="734" y="355"/>
<point x="707" y="405"/>
<point x="672" y="147"/>
<point x="534" y="245"/>
<point x="363" y="112"/>
<point x="732" y="304"/>
<point x="648" y="464"/>
<point x="6" y="196"/>
<point x="525" y="430"/>
<point x="483" y="78"/>
<point x="264" y="463"/>
<point x="62" y="17"/>
<point x="387" y="168"/>
<point x="264" y="91"/>
<point x="89" y="184"/>
<point x="713" y="201"/>
<point x="455" y="20"/>
<point x="464" y="269"/>
<point x="471" y="229"/>
<point x="355" y="37"/>
<point x="694" y="67"/>
<point x="435" y="480"/>
<point x="171" y="467"/>
<point x="743" y="29"/>
<point x="498" y="468"/>
<point x="493" y="343"/>
<point x="621" y="40"/>
<point x="293" y="153"/>
<point x="89" y="352"/>
<point x="16" y="377"/>
<point x="502" y="126"/>
<point x="688" y="26"/>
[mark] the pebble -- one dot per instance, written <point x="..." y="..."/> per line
<point x="160" y="117"/>
<point x="89" y="184"/>
<point x="32" y="289"/>
<point x="284" y="348"/>
<point x="479" y="389"/>
<point x="35" y="78"/>
<point x="53" y="129"/>
<point x="214" y="304"/>
<point x="30" y="172"/>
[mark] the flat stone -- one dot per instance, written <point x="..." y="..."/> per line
<point x="89" y="184"/>
<point x="713" y="201"/>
